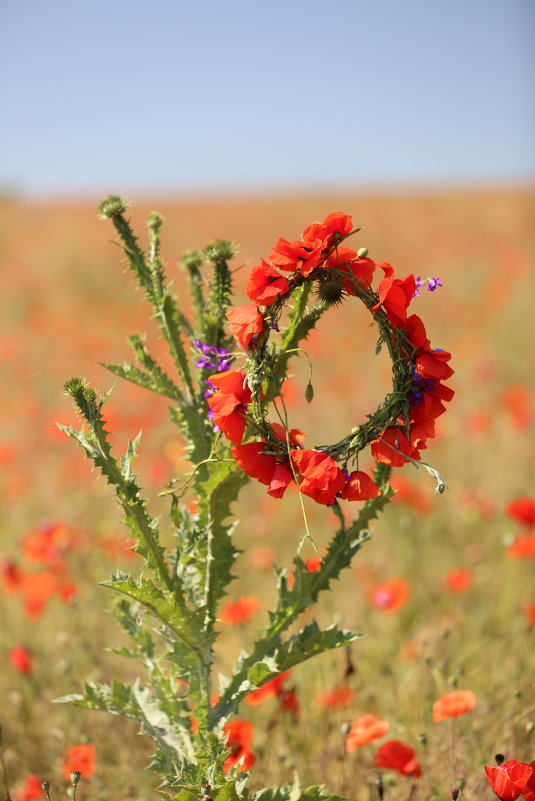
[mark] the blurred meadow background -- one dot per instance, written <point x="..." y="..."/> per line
<point x="248" y="122"/>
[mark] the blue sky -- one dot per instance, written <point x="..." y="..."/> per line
<point x="174" y="96"/>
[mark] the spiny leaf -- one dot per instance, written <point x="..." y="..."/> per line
<point x="170" y="610"/>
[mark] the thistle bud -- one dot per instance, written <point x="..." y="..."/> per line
<point x="154" y="221"/>
<point x="455" y="793"/>
<point x="499" y="759"/>
<point x="112" y="206"/>
<point x="309" y="393"/>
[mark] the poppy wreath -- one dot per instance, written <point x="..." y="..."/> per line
<point x="241" y="401"/>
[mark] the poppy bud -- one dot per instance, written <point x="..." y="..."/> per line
<point x="380" y="788"/>
<point x="75" y="777"/>
<point x="345" y="728"/>
<point x="362" y="253"/>
<point x="45" y="784"/>
<point x="309" y="393"/>
<point x="423" y="739"/>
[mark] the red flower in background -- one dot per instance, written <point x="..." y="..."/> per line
<point x="523" y="511"/>
<point x="238" y="735"/>
<point x="37" y="589"/>
<point x="12" y="576"/>
<point x="365" y="729"/>
<point x="270" y="689"/>
<point x="512" y="779"/>
<point x="289" y="702"/>
<point x="80" y="758"/>
<point x="48" y="543"/>
<point x="522" y="547"/>
<point x="240" y="611"/>
<point x="458" y="579"/>
<point x="389" y="596"/>
<point x="31" y="789"/>
<point x="398" y="756"/>
<point x="530" y="613"/>
<point x="245" y="322"/>
<point x="454" y="704"/>
<point x="337" y="698"/>
<point x="21" y="659"/>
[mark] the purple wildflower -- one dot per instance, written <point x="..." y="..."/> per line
<point x="433" y="283"/>
<point x="217" y="359"/>
<point x="419" y="283"/>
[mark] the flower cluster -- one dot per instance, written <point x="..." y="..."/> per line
<point x="401" y="427"/>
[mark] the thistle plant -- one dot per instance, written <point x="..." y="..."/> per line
<point x="222" y="415"/>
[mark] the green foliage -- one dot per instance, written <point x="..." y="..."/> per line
<point x="169" y="612"/>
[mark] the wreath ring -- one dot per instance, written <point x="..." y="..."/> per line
<point x="396" y="431"/>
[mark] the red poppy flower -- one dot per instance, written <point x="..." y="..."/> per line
<point x="528" y="793"/>
<point x="289" y="701"/>
<point x="245" y="322"/>
<point x="280" y="481"/>
<point x="295" y="436"/>
<point x="80" y="758"/>
<point x="523" y="511"/>
<point x="415" y="330"/>
<point x="314" y="564"/>
<point x="398" y="756"/>
<point x="522" y="547"/>
<point x="458" y="579"/>
<point x="395" y="294"/>
<point x="335" y="223"/>
<point x="298" y="255"/>
<point x="37" y="588"/>
<point x="530" y="613"/>
<point x="270" y="689"/>
<point x="360" y="487"/>
<point x="31" y="789"/>
<point x="391" y="447"/>
<point x="255" y="463"/>
<point x="432" y="365"/>
<point x="346" y="260"/>
<point x="21" y="659"/>
<point x="517" y="401"/>
<point x="389" y="596"/>
<point x="454" y="704"/>
<point x="241" y="610"/>
<point x="49" y="543"/>
<point x="229" y="403"/>
<point x="321" y="478"/>
<point x="238" y="735"/>
<point x="365" y="729"/>
<point x="510" y="779"/>
<point x="266" y="284"/>
<point x="12" y="576"/>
